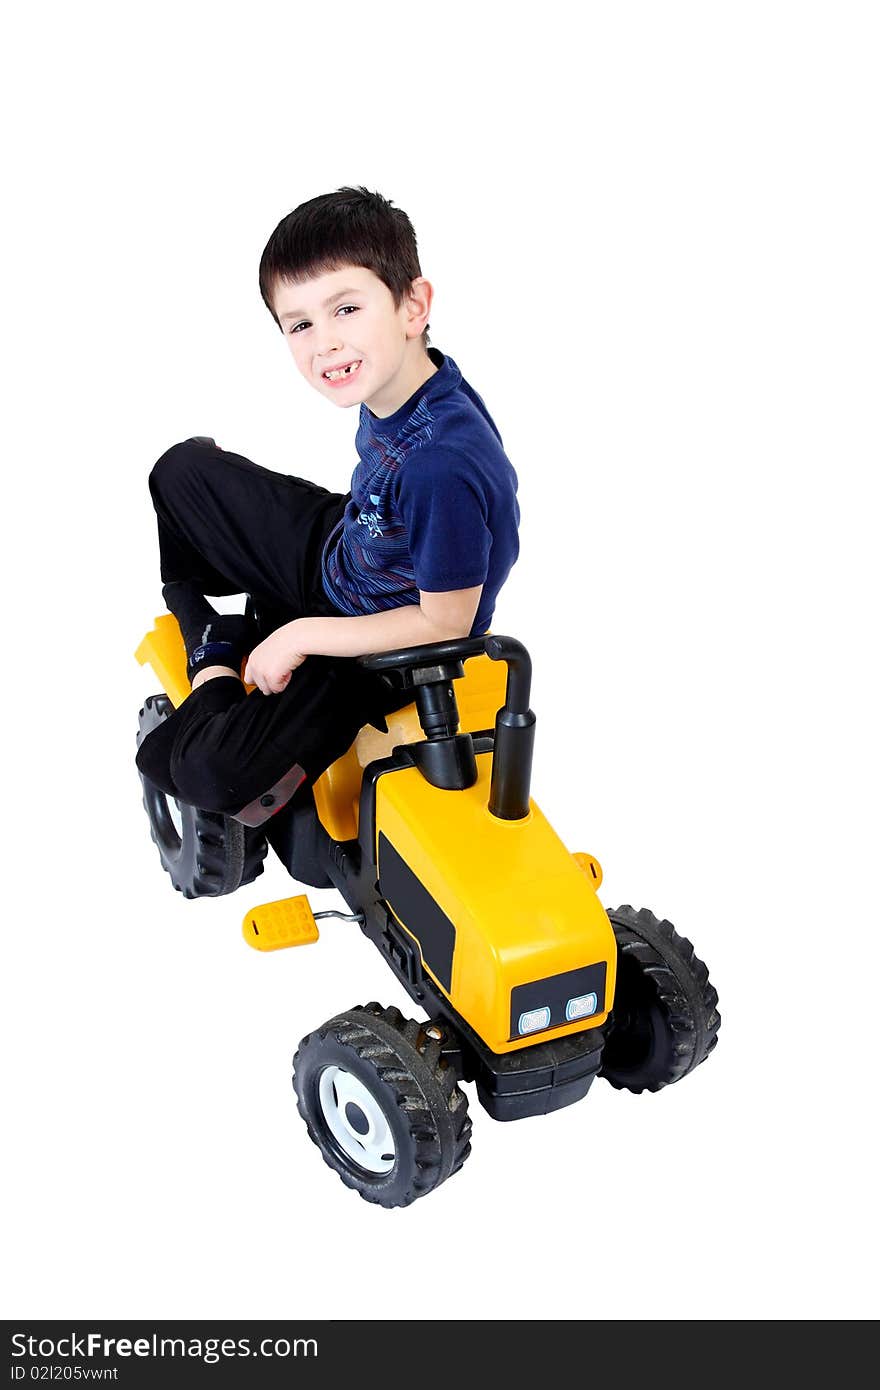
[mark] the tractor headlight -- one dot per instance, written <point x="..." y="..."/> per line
<point x="573" y="997"/>
<point x="581" y="1007"/>
<point x="532" y="1020"/>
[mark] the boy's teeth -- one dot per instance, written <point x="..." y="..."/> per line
<point x="344" y="371"/>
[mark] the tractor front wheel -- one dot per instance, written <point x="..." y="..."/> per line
<point x="382" y="1103"/>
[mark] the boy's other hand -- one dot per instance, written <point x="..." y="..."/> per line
<point x="272" y="663"/>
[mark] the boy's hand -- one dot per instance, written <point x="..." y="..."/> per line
<point x="271" y="664"/>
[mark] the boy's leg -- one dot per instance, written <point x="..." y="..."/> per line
<point x="234" y="527"/>
<point x="246" y="755"/>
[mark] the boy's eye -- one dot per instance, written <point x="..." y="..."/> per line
<point x="305" y="323"/>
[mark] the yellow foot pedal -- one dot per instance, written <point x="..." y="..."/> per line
<point x="591" y="867"/>
<point x="289" y="922"/>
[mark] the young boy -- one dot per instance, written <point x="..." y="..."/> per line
<point x="415" y="553"/>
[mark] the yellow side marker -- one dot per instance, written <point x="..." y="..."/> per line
<point x="288" y="922"/>
<point x="163" y="649"/>
<point x="591" y="867"/>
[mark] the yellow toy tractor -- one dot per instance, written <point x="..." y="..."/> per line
<point x="493" y="927"/>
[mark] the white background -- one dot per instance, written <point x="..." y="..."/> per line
<point x="653" y="241"/>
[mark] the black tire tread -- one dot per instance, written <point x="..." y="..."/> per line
<point x="374" y="1034"/>
<point x="681" y="979"/>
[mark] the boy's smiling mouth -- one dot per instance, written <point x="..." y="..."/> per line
<point x="334" y="374"/>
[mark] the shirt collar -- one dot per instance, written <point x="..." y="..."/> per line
<point x="445" y="379"/>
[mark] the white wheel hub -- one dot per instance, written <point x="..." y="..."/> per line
<point x="176" y="817"/>
<point x="356" y="1120"/>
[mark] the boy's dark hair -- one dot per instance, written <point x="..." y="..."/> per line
<point x="349" y="227"/>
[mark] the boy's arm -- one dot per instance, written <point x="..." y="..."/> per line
<point x="436" y="618"/>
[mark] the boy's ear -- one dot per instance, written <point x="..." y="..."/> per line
<point x="421" y="296"/>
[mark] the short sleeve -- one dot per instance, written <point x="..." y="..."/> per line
<point x="445" y="513"/>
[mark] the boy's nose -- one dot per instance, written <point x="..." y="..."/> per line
<point x="329" y="351"/>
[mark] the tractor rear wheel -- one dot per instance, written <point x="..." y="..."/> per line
<point x="205" y="853"/>
<point x="665" y="1018"/>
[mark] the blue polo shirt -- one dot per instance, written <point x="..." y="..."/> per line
<point x="433" y="504"/>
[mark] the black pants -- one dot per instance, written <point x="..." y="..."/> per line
<point x="236" y="528"/>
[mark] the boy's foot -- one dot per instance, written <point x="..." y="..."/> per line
<point x="210" y="638"/>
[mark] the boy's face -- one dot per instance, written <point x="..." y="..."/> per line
<point x="348" y="317"/>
